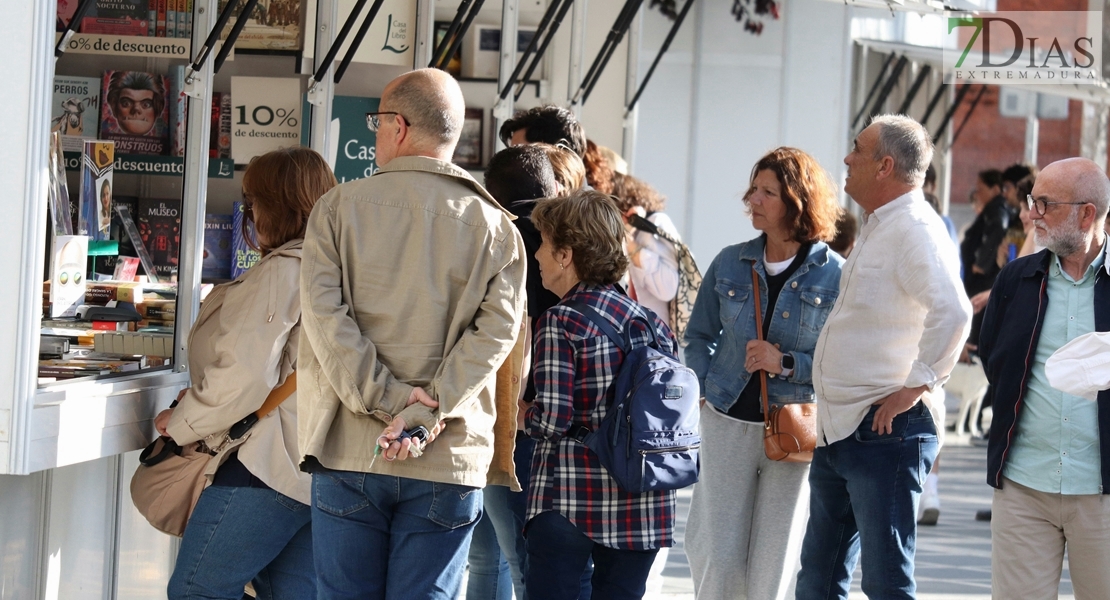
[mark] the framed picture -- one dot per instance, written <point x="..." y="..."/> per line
<point x="468" y="154"/>
<point x="454" y="66"/>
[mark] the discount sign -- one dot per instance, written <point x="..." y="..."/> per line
<point x="266" y="115"/>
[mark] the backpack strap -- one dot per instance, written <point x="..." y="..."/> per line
<point x="622" y="340"/>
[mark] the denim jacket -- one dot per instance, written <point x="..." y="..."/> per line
<point x="723" y="321"/>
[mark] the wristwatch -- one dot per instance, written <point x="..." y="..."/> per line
<point x="787" y="365"/>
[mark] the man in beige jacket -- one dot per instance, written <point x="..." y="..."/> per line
<point x="412" y="288"/>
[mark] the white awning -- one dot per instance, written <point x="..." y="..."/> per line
<point x="1093" y="92"/>
<point x="916" y="6"/>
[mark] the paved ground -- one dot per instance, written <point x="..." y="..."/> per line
<point x="953" y="558"/>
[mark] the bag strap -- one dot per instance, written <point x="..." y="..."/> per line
<point x="647" y="226"/>
<point x="759" y="336"/>
<point x="273" y="400"/>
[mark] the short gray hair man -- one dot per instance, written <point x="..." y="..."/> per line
<point x="908" y="143"/>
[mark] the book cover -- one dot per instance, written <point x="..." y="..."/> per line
<point x="95" y="200"/>
<point x="188" y="19"/>
<point x="171" y="18"/>
<point x="117" y="17"/>
<point x="243" y="256"/>
<point x="217" y="247"/>
<point x="272" y="25"/>
<point x="179" y="104"/>
<point x="67" y="274"/>
<point x="223" y="140"/>
<point x="134" y="112"/>
<point x="66" y="10"/>
<point x="75" y="111"/>
<point x="213" y="132"/>
<point x="159" y="224"/>
<point x="160" y="29"/>
<point x="152" y="17"/>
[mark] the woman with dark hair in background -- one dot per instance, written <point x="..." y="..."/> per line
<point x="748" y="514"/>
<point x="252" y="524"/>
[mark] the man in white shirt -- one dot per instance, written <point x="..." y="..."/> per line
<point x="892" y="338"/>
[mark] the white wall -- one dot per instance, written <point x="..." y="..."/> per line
<point x="723" y="97"/>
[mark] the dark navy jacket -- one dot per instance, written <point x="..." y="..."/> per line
<point x="1008" y="342"/>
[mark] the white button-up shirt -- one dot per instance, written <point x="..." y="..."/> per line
<point x="900" y="320"/>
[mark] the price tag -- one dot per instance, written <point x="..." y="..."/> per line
<point x="265" y="115"/>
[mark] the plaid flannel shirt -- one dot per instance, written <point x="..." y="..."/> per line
<point x="575" y="366"/>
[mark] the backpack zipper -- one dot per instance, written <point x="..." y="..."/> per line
<point x="667" y="450"/>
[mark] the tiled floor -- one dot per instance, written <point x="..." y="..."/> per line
<point x="953" y="558"/>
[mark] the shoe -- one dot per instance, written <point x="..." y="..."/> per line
<point x="928" y="509"/>
<point x="928" y="512"/>
<point x="983" y="515"/>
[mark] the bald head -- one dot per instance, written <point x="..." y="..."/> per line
<point x="433" y="106"/>
<point x="1081" y="180"/>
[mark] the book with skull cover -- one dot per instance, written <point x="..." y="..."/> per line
<point x="134" y="112"/>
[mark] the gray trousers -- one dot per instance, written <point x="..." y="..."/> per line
<point x="747" y="516"/>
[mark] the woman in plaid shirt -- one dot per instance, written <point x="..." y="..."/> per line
<point x="575" y="509"/>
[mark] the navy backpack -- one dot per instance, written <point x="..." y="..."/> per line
<point x="649" y="439"/>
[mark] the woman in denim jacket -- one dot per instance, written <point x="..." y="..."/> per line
<point x="748" y="513"/>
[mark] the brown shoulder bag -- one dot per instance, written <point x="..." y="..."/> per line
<point x="170" y="478"/>
<point x="789" y="430"/>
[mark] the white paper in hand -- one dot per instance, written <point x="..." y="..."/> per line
<point x="1081" y="367"/>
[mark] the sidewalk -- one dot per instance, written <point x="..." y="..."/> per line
<point x="953" y="557"/>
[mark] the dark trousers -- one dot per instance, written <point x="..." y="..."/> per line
<point x="558" y="554"/>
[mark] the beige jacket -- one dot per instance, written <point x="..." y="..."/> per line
<point x="243" y="345"/>
<point x="412" y="277"/>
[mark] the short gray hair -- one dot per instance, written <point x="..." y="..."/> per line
<point x="908" y="143"/>
<point x="433" y="106"/>
<point x="1092" y="186"/>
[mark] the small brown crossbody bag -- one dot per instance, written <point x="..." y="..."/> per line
<point x="789" y="430"/>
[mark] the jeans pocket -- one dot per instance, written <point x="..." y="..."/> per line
<point x="866" y="436"/>
<point x="289" y="503"/>
<point x="454" y="506"/>
<point x="339" y="494"/>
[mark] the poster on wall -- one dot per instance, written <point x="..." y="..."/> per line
<point x="265" y="115"/>
<point x="389" y="41"/>
<point x="356" y="155"/>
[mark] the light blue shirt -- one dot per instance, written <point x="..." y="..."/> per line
<point x="1056" y="448"/>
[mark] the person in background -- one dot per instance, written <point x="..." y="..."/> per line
<point x="979" y="249"/>
<point x="570" y="172"/>
<point x="653" y="273"/>
<point x="516" y="177"/>
<point x="576" y="510"/>
<point x="617" y="162"/>
<point x="1048" y="457"/>
<point x="413" y="296"/>
<point x="748" y="513"/>
<point x="599" y="171"/>
<point x="252" y="525"/>
<point x="889" y="343"/>
<point x="1029" y="246"/>
<point x="929" y="188"/>
<point x="548" y="124"/>
<point x="847" y="229"/>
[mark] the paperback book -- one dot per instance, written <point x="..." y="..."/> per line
<point x="94" y="204"/>
<point x="159" y="223"/>
<point x="75" y="110"/>
<point x="243" y="256"/>
<point x="135" y="112"/>
<point x="117" y="17"/>
<point x="217" y="247"/>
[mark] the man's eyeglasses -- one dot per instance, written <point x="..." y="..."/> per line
<point x="373" y="122"/>
<point x="1040" y="205"/>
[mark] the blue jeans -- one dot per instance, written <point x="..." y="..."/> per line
<point x="379" y="536"/>
<point x="864" y="492"/>
<point x="558" y="554"/>
<point x="490" y="577"/>
<point x="241" y="534"/>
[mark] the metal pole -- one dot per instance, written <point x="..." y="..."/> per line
<point x="503" y="110"/>
<point x="895" y="73"/>
<point x="543" y="46"/>
<point x="460" y="14"/>
<point x="874" y="88"/>
<point x="933" y="103"/>
<point x="951" y="111"/>
<point x="322" y="66"/>
<point x="616" y="34"/>
<point x="662" y="50"/>
<point x="548" y="14"/>
<point x="229" y="43"/>
<point x="357" y="41"/>
<point x="71" y="28"/>
<point x="914" y="89"/>
<point x="322" y="92"/>
<point x="970" y="111"/>
<point x="632" y="72"/>
<point x="425" y="33"/>
<point x="477" y="6"/>
<point x="577" y="51"/>
<point x="1032" y="137"/>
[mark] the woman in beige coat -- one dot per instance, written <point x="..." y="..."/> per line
<point x="252" y="524"/>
